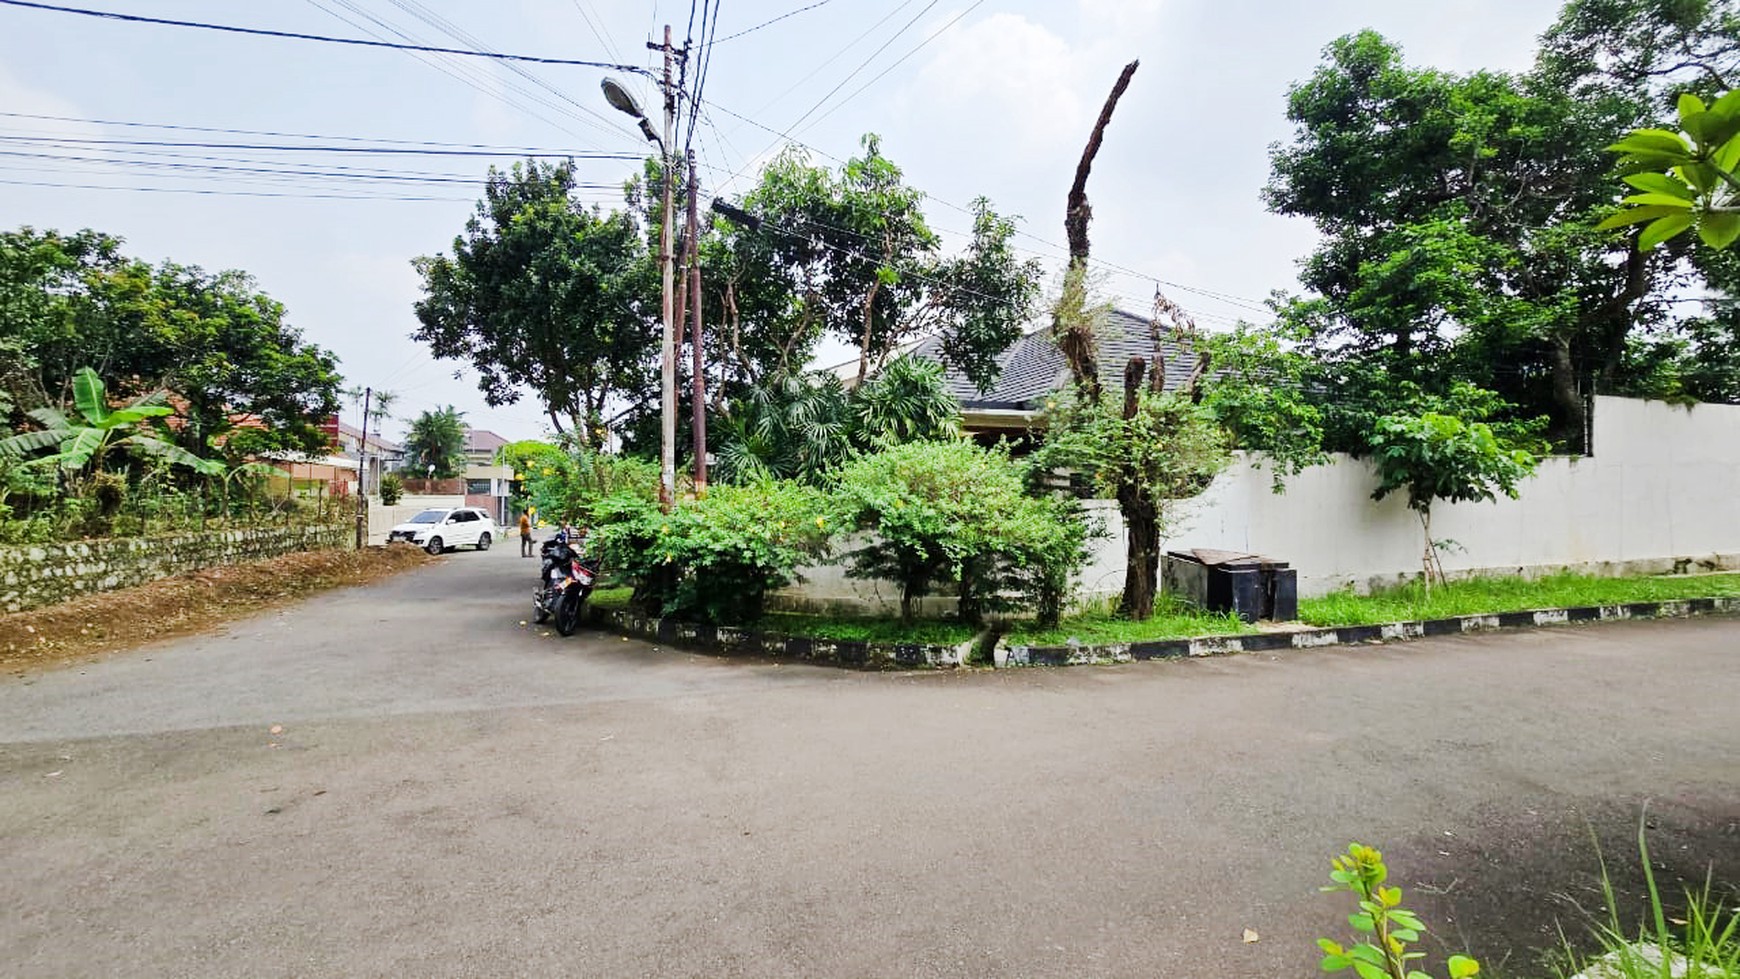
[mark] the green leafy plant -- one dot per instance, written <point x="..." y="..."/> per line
<point x="392" y="488"/>
<point x="713" y="558"/>
<point x="436" y="443"/>
<point x="952" y="512"/>
<point x="1443" y="457"/>
<point x="1701" y="184"/>
<point x="83" y="441"/>
<point x="1389" y="929"/>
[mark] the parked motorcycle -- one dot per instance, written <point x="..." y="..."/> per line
<point x="564" y="583"/>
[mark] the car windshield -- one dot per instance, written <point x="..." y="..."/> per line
<point x="428" y="516"/>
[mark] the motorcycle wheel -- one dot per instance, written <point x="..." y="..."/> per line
<point x="568" y="612"/>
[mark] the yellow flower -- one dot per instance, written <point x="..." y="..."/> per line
<point x="820" y="523"/>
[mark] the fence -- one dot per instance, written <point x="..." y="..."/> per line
<point x="1661" y="492"/>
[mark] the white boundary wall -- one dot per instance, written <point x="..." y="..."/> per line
<point x="1660" y="493"/>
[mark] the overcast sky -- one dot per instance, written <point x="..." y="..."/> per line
<point x="993" y="98"/>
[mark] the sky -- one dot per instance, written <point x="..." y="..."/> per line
<point x="991" y="98"/>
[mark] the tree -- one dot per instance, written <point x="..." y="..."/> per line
<point x="802" y="426"/>
<point x="84" y="441"/>
<point x="437" y="439"/>
<point x="1459" y="217"/>
<point x="1442" y="457"/>
<point x="220" y="347"/>
<point x="1153" y="448"/>
<point x="542" y="293"/>
<point x="851" y="254"/>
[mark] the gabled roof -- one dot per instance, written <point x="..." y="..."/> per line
<point x="376" y="442"/>
<point x="482" y="440"/>
<point x="1033" y="368"/>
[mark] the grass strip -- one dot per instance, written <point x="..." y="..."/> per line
<point x="1481" y="596"/>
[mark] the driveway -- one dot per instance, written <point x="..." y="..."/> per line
<point x="453" y="794"/>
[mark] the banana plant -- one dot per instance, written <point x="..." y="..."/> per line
<point x="82" y="440"/>
<point x="1686" y="179"/>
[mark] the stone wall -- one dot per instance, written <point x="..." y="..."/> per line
<point x="42" y="574"/>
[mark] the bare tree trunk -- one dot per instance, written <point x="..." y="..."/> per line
<point x="864" y="344"/>
<point x="1565" y="388"/>
<point x="1076" y="340"/>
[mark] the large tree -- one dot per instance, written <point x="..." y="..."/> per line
<point x="850" y="254"/>
<point x="543" y="293"/>
<point x="435" y="445"/>
<point x="1459" y="217"/>
<point x="219" y="346"/>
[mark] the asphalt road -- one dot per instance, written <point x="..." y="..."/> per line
<point x="453" y="794"/>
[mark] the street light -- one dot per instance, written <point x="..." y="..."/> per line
<point x="620" y="99"/>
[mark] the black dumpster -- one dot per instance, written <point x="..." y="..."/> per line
<point x="1251" y="585"/>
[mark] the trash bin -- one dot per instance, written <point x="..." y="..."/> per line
<point x="1251" y="585"/>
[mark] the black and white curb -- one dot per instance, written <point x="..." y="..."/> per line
<point x="726" y="640"/>
<point x="1084" y="654"/>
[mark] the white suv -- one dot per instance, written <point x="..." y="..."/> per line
<point x="439" y="530"/>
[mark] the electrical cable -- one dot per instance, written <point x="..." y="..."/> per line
<point x="85" y="141"/>
<point x="897" y="63"/>
<point x="503" y="150"/>
<point x="294" y="35"/>
<point x="866" y="62"/>
<point x="227" y="193"/>
<point x="769" y="23"/>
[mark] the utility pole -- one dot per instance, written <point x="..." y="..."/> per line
<point x="362" y="462"/>
<point x="668" y="351"/>
<point x="698" y="411"/>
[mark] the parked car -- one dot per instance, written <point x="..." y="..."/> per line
<point x="439" y="530"/>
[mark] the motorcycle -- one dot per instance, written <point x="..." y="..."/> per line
<point x="564" y="584"/>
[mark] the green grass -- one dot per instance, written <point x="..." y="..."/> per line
<point x="1171" y="621"/>
<point x="611" y="597"/>
<point x="1702" y="942"/>
<point x="1490" y="595"/>
<point x="929" y="632"/>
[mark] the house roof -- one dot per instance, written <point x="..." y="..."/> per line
<point x="482" y="440"/>
<point x="375" y="440"/>
<point x="1032" y="367"/>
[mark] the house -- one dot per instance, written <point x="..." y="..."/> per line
<point x="1032" y="370"/>
<point x="382" y="455"/>
<point x="481" y="445"/>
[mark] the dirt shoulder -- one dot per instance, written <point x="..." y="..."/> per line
<point x="115" y="621"/>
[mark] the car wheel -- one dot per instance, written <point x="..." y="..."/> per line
<point x="434" y="546"/>
<point x="483" y="542"/>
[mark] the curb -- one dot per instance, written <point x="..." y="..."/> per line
<point x="733" y="641"/>
<point x="727" y="640"/>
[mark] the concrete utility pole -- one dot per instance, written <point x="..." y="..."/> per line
<point x="698" y="410"/>
<point x="362" y="462"/>
<point x="668" y="351"/>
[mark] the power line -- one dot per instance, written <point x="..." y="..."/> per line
<point x="769" y="23"/>
<point x="866" y="62"/>
<point x="226" y="193"/>
<point x="294" y="35"/>
<point x="884" y="73"/>
<point x="86" y="141"/>
<point x="504" y="150"/>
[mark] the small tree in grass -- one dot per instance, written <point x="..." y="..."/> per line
<point x="1443" y="457"/>
<point x="951" y="512"/>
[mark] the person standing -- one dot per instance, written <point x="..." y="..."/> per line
<point x="525" y="535"/>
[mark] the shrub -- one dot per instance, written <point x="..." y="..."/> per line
<point x="712" y="559"/>
<point x="392" y="488"/>
<point x="951" y="512"/>
<point x="573" y="487"/>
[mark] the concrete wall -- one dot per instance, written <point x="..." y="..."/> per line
<point x="32" y="576"/>
<point x="1660" y="493"/>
